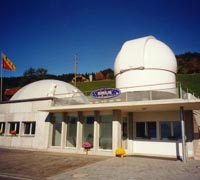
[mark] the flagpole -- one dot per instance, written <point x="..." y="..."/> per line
<point x="1" y="99"/>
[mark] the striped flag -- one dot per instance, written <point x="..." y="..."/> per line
<point x="7" y="63"/>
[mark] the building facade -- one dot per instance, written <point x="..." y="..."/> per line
<point x="150" y="116"/>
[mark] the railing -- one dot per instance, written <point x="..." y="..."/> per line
<point x="127" y="95"/>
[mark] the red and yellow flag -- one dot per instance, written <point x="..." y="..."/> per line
<point x="7" y="63"/>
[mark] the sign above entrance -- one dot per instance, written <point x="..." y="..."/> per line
<point x="105" y="93"/>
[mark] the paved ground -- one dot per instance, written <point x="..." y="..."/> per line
<point x="56" y="166"/>
<point x="134" y="168"/>
<point x="39" y="165"/>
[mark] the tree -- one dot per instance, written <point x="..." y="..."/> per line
<point x="35" y="72"/>
<point x="29" y="72"/>
<point x="108" y="73"/>
<point x="41" y="72"/>
<point x="99" y="76"/>
<point x="188" y="63"/>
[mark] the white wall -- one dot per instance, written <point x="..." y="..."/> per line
<point x="25" y="112"/>
<point x="156" y="148"/>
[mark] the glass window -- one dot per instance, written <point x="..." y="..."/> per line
<point x="29" y="128"/>
<point x="71" y="131"/>
<point x="146" y="129"/>
<point x="140" y="129"/>
<point x="14" y="126"/>
<point x="171" y="130"/>
<point x="105" y="134"/>
<point x="88" y="129"/>
<point x="177" y="130"/>
<point x="57" y="125"/>
<point x="2" y="127"/>
<point x="151" y="129"/>
<point x="165" y="129"/>
<point x="124" y="132"/>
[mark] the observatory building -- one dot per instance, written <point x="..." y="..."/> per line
<point x="146" y="114"/>
<point x="145" y="64"/>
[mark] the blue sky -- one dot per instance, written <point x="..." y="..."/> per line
<point x="48" y="33"/>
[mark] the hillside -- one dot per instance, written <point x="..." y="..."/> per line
<point x="189" y="82"/>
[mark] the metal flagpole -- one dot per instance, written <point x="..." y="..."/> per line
<point x="75" y="67"/>
<point x="1" y="79"/>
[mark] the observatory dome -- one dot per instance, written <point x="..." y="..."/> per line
<point x="48" y="88"/>
<point x="145" y="64"/>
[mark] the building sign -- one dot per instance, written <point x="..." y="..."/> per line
<point x="105" y="93"/>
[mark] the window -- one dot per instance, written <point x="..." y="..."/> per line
<point x="170" y="130"/>
<point x="151" y="129"/>
<point x="14" y="126"/>
<point x="146" y="130"/>
<point x="71" y="131"/>
<point x="165" y="129"/>
<point x="29" y="128"/>
<point x="177" y="130"/>
<point x="105" y="134"/>
<point x="57" y="125"/>
<point x="125" y="132"/>
<point x="140" y="129"/>
<point x="2" y="127"/>
<point x="88" y="129"/>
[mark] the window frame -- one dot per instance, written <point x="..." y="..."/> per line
<point x="146" y="130"/>
<point x="31" y="128"/>
<point x="172" y="126"/>
<point x="16" y="128"/>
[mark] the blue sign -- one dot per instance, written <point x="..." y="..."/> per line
<point x="105" y="93"/>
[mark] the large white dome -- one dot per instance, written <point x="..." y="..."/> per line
<point x="145" y="53"/>
<point x="45" y="88"/>
<point x="143" y="63"/>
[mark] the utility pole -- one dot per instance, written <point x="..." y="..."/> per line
<point x="75" y="67"/>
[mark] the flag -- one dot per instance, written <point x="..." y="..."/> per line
<point x="7" y="63"/>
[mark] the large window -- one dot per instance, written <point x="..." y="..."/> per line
<point x="71" y="131"/>
<point x="177" y="130"/>
<point x="88" y="129"/>
<point x="165" y="129"/>
<point x="170" y="130"/>
<point x="29" y="128"/>
<point x="57" y="127"/>
<point x="146" y="130"/>
<point x="105" y="134"/>
<point x="140" y="129"/>
<point x="14" y="126"/>
<point x="124" y="132"/>
<point x="151" y="129"/>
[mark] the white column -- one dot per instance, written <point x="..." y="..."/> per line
<point x="79" y="131"/>
<point x="96" y="131"/>
<point x="116" y="130"/>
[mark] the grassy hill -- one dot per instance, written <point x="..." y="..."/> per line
<point x="189" y="82"/>
<point x="87" y="87"/>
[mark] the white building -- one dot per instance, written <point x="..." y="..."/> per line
<point x="145" y="119"/>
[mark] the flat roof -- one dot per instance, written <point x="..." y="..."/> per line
<point x="133" y="106"/>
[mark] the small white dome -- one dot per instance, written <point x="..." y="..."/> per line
<point x="45" y="88"/>
<point x="145" y="53"/>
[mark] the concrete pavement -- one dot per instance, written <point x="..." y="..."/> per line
<point x="134" y="168"/>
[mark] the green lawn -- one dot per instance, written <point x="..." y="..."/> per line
<point x="189" y="82"/>
<point x="87" y="87"/>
